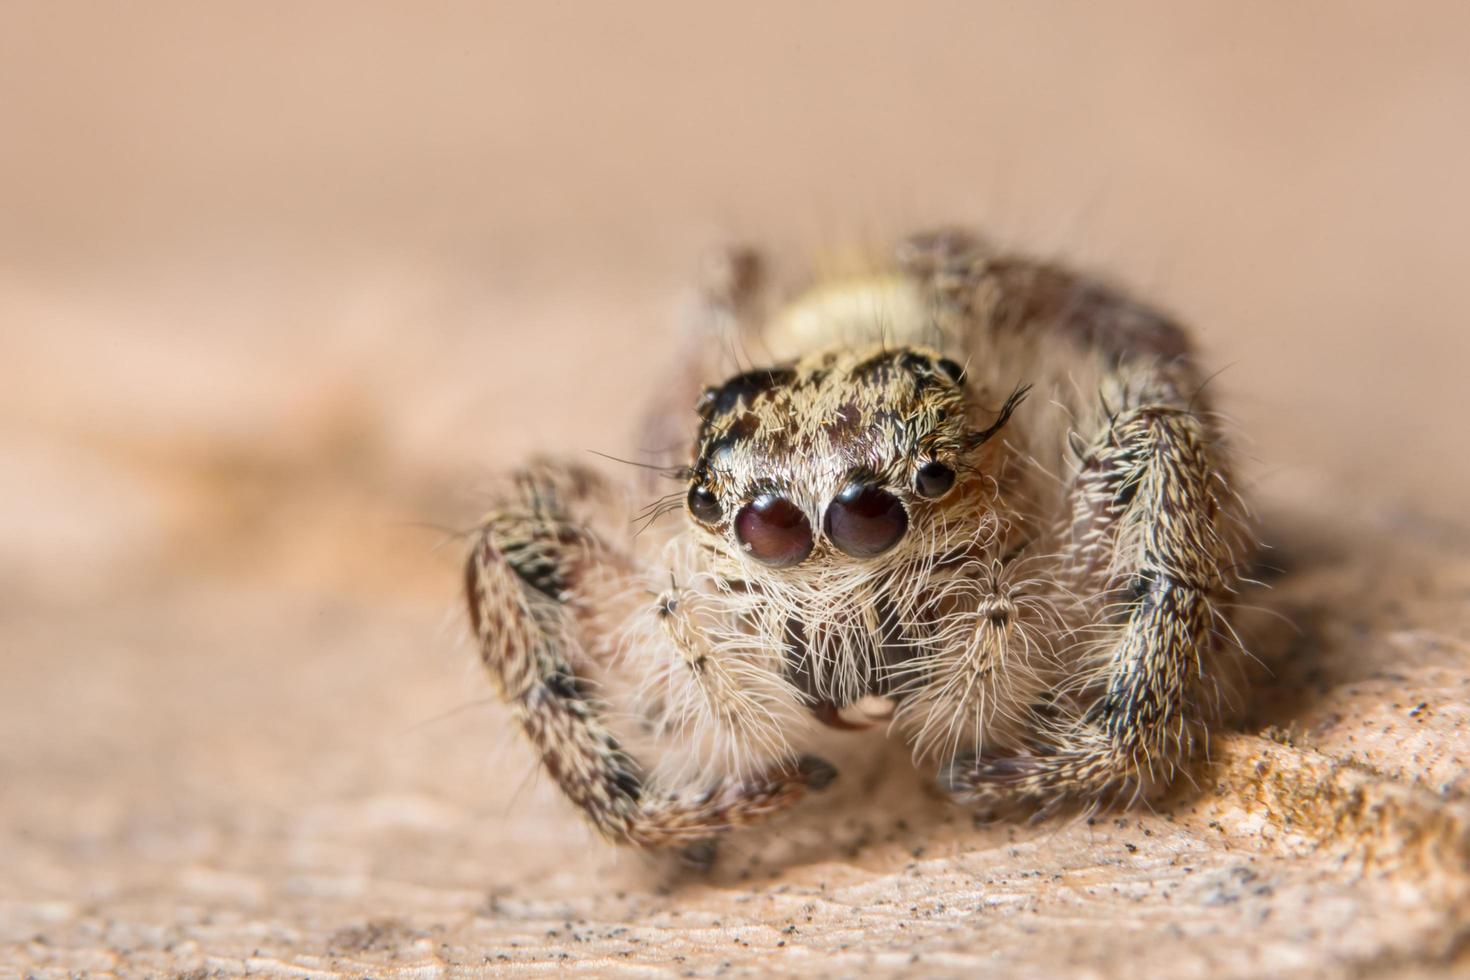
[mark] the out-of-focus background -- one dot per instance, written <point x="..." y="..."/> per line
<point x="283" y="285"/>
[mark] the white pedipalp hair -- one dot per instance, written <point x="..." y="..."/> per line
<point x="850" y="616"/>
<point x="992" y="656"/>
<point x="716" y="702"/>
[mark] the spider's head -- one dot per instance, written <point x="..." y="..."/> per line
<point x="842" y="457"/>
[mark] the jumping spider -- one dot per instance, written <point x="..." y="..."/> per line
<point x="976" y="497"/>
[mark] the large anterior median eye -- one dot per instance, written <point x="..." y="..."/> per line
<point x="865" y="520"/>
<point x="774" y="531"/>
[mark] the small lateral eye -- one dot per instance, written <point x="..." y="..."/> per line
<point x="774" y="531"/>
<point x="933" y="480"/>
<point x="953" y="369"/>
<point x="865" y="520"/>
<point x="704" y="505"/>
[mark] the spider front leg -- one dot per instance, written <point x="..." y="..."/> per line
<point x="1148" y="550"/>
<point x="535" y="582"/>
<point x="718" y="333"/>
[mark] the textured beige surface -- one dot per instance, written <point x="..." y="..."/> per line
<point x="242" y="779"/>
<point x="278" y="293"/>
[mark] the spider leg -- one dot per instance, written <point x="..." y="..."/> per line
<point x="1149" y="545"/>
<point x="531" y="586"/>
<point x="946" y="260"/>
<point x="1145" y="552"/>
<point x="719" y="332"/>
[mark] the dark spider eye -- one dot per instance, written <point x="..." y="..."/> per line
<point x="865" y="520"/>
<point x="774" y="531"/>
<point x="933" y="480"/>
<point x="953" y="369"/>
<point x="705" y="506"/>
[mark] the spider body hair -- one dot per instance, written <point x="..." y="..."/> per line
<point x="976" y="496"/>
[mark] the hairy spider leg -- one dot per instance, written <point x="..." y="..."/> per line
<point x="523" y="580"/>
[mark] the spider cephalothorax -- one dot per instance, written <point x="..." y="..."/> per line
<point x="879" y="525"/>
<point x="845" y="491"/>
<point x="849" y="443"/>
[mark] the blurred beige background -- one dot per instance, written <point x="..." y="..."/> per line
<point x="282" y="284"/>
